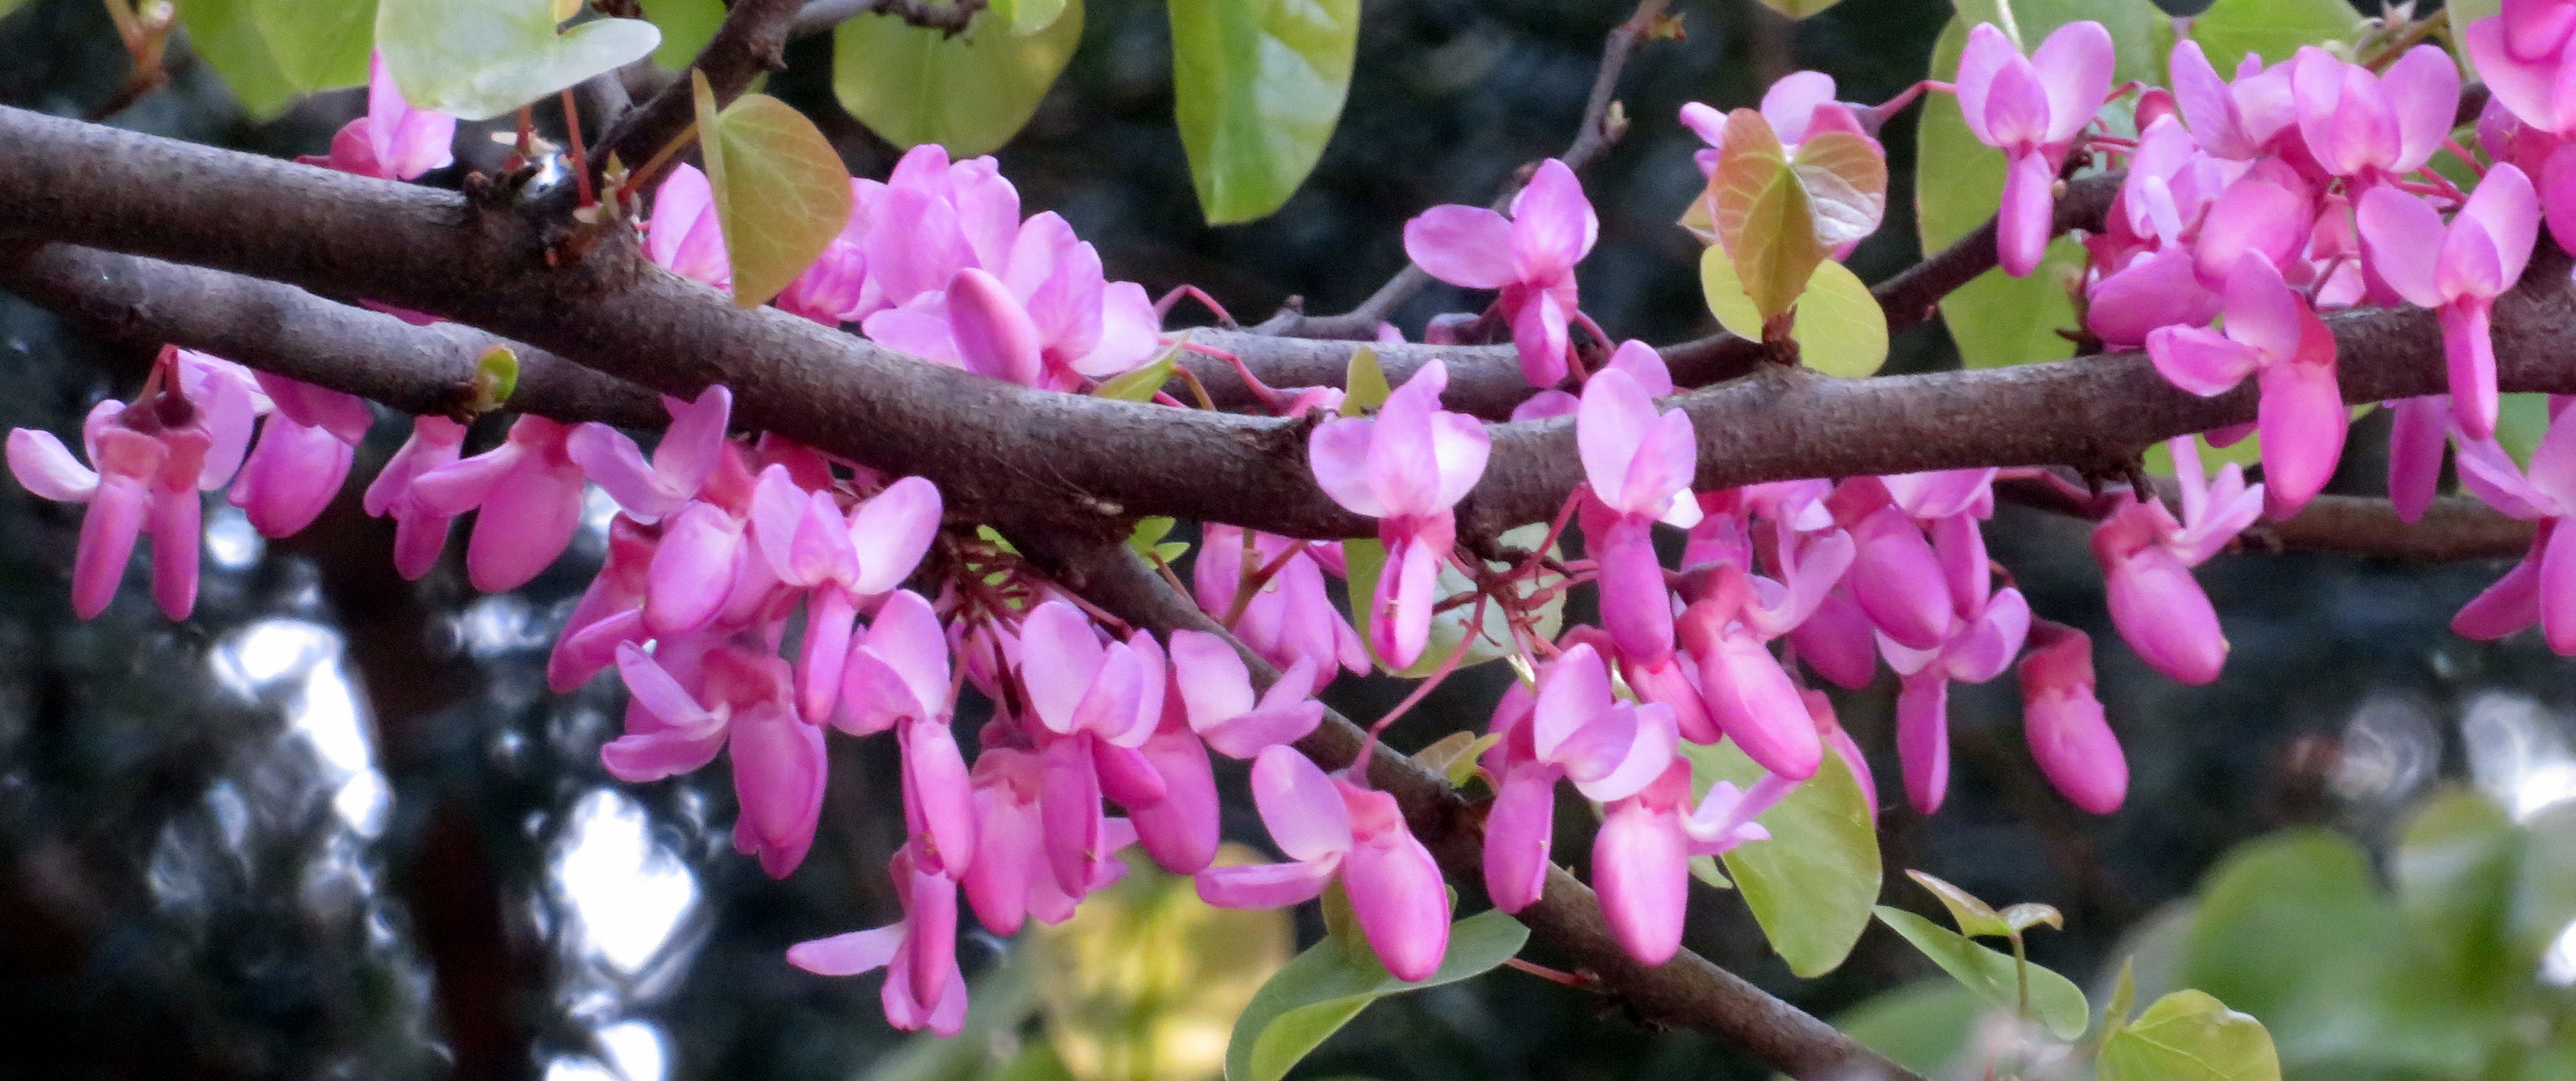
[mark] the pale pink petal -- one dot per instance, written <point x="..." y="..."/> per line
<point x="1790" y="102"/>
<point x="1395" y="887"/>
<point x="1539" y="336"/>
<point x="691" y="573"/>
<point x="2161" y="289"/>
<point x="2022" y="224"/>
<point x="2303" y="421"/>
<point x="1519" y="828"/>
<point x="2423" y="88"/>
<point x="1608" y="429"/>
<point x="1299" y="804"/>
<point x="1339" y="453"/>
<point x="529" y="519"/>
<point x="1642" y="363"/>
<point x="1059" y="655"/>
<point x="1644" y="755"/>
<point x="1460" y="447"/>
<point x="2075" y="66"/>
<point x="47" y="468"/>
<point x="2401" y="235"/>
<point x="1553" y="225"/>
<point x="2506" y="211"/>
<point x="1215" y="686"/>
<point x="994" y="334"/>
<point x="891" y="531"/>
<point x="1467" y="246"/>
<point x="2253" y="216"/>
<point x="2415" y="442"/>
<point x="1987" y="52"/>
<point x="1641" y="868"/>
<point x="848" y="954"/>
<point x="2206" y="103"/>
<point x="2017" y="108"/>
<point x="1265" y="885"/>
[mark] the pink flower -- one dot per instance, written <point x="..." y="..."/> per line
<point x="831" y="290"/>
<point x="610" y="612"/>
<point x="302" y="457"/>
<point x="1216" y="688"/>
<point x="1291" y="621"/>
<point x="2239" y="121"/>
<point x="2031" y="109"/>
<point x="682" y="235"/>
<point x="840" y="560"/>
<point x="898" y="679"/>
<point x="2458" y="271"/>
<point x="681" y="463"/>
<point x="1406" y="467"/>
<point x="2270" y="331"/>
<point x="1010" y="879"/>
<point x="393" y="141"/>
<point x="1095" y="705"/>
<point x="745" y="703"/>
<point x="1641" y="858"/>
<point x="2415" y="443"/>
<point x="924" y="988"/>
<point x="2063" y="720"/>
<point x="419" y="532"/>
<point x="2542" y="588"/>
<point x="2523" y="55"/>
<point x="1986" y="633"/>
<point x="1574" y="729"/>
<point x="528" y="490"/>
<point x="2147" y="556"/>
<point x="153" y="458"/>
<point x="1795" y="104"/>
<point x="1639" y="465"/>
<point x="1530" y="256"/>
<point x="2374" y="127"/>
<point x="1330" y="826"/>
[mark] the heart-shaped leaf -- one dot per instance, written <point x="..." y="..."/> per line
<point x="2055" y="1001"/>
<point x="1324" y="987"/>
<point x="1846" y="180"/>
<point x="2189" y="1036"/>
<point x="226" y="34"/>
<point x="781" y="192"/>
<point x="970" y="93"/>
<point x="1257" y="86"/>
<point x="318" y="44"/>
<point x="687" y="26"/>
<point x="1839" y="328"/>
<point x="478" y="59"/>
<point x="1763" y="216"/>
<point x="1810" y="886"/>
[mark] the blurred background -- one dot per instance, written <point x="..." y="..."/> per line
<point x="334" y="826"/>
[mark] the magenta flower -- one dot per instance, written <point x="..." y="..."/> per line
<point x="1530" y="256"/>
<point x="610" y="612"/>
<point x="528" y="490"/>
<point x="832" y="290"/>
<point x="2416" y="438"/>
<point x="1095" y="704"/>
<point x="898" y="678"/>
<point x="2238" y="121"/>
<point x="1291" y="621"/>
<point x="2147" y="556"/>
<point x="302" y="457"/>
<point x="2063" y="721"/>
<point x="2374" y="127"/>
<point x="1641" y="858"/>
<point x="1794" y="105"/>
<point x="924" y="988"/>
<point x="2523" y="55"/>
<point x="682" y="235"/>
<point x="1406" y="467"/>
<point x="393" y="141"/>
<point x="1010" y="879"/>
<point x="2031" y="109"/>
<point x="419" y="532"/>
<point x="1639" y="466"/>
<point x="1330" y="826"/>
<point x="2542" y="588"/>
<point x="1986" y="633"/>
<point x="1046" y="318"/>
<point x="2457" y="271"/>
<point x="2272" y="332"/>
<point x="840" y="560"/>
<point x="1571" y="729"/>
<point x="682" y="461"/>
<point x="1216" y="690"/>
<point x="747" y="704"/>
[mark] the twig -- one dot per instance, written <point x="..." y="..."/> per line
<point x="950" y="19"/>
<point x="748" y="43"/>
<point x="2455" y="528"/>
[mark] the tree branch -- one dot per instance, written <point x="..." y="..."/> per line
<point x="285" y="330"/>
<point x="1687" y="991"/>
<point x="951" y="19"/>
<point x="748" y="43"/>
<point x="2454" y="528"/>
<point x="1004" y="451"/>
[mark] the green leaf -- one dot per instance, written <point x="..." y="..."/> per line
<point x="970" y="93"/>
<point x="1763" y="216"/>
<point x="1027" y="17"/>
<point x="1323" y="988"/>
<point x="1799" y="9"/>
<point x="2189" y="1036"/>
<point x="1490" y="641"/>
<point x="781" y="192"/>
<point x="496" y="377"/>
<point x="2055" y="1002"/>
<point x="2521" y="419"/>
<point x="1148" y="540"/>
<point x="2273" y="29"/>
<point x="318" y="44"/>
<point x="1454" y="756"/>
<point x="2464" y="12"/>
<point x="1997" y="319"/>
<point x="2124" y="996"/>
<point x="1365" y="384"/>
<point x="226" y="33"/>
<point x="1140" y="383"/>
<point x="1845" y="176"/>
<point x="2284" y="915"/>
<point x="1974" y="918"/>
<point x="1810" y="886"/>
<point x="1923" y="1026"/>
<point x="478" y="59"/>
<point x="1839" y="327"/>
<point x="1257" y="86"/>
<point x="2455" y="867"/>
<point x="687" y="26"/>
<point x="2544" y="895"/>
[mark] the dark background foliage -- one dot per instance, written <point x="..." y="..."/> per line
<point x="334" y="826"/>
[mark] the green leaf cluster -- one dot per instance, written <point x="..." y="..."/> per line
<point x="1324" y="987"/>
<point x="269" y="51"/>
<point x="478" y="59"/>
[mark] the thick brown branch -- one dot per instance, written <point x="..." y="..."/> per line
<point x="951" y="18"/>
<point x="285" y="330"/>
<point x="747" y="44"/>
<point x="1006" y="451"/>
<point x="1686" y="991"/>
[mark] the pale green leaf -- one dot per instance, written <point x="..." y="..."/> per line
<point x="1364" y="386"/>
<point x="1140" y="383"/>
<point x="969" y="93"/>
<point x="1839" y="327"/>
<point x="2544" y="900"/>
<point x="1027" y="17"/>
<point x="2521" y="419"/>
<point x="1454" y="755"/>
<point x="1257" y="86"/>
<point x="2455" y="865"/>
<point x="1799" y="9"/>
<point x="478" y="59"/>
<point x="2464" y="12"/>
<point x="1323" y="988"/>
<point x="2272" y="29"/>
<point x="225" y="33"/>
<point x="1763" y="215"/>
<point x="2055" y="1001"/>
<point x="2124" y="997"/>
<point x="1491" y="639"/>
<point x="781" y="192"/>
<point x="2189" y="1036"/>
<point x="1811" y="885"/>
<point x="1845" y="175"/>
<point x="318" y="44"/>
<point x="687" y="26"/>
<point x="1997" y="319"/>
<point x="1974" y="918"/>
<point x="1923" y="1026"/>
<point x="2029" y="914"/>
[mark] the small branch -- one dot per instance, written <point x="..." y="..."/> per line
<point x="748" y="43"/>
<point x="285" y="330"/>
<point x="950" y="19"/>
<point x="2455" y="528"/>
<point x="1686" y="991"/>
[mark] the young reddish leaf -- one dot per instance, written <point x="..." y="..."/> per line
<point x="1763" y="215"/>
<point x="781" y="193"/>
<point x="1846" y="180"/>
